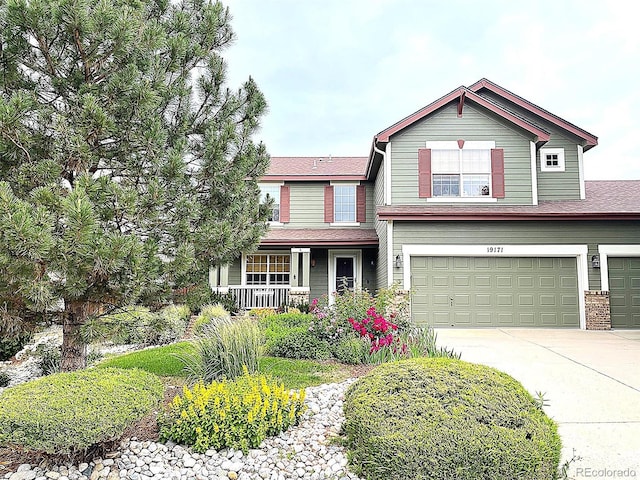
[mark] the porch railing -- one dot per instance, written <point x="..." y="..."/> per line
<point x="260" y="296"/>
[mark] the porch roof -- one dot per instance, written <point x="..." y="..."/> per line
<point x="316" y="237"/>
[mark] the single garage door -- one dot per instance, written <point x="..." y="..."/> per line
<point x="495" y="291"/>
<point x="624" y="292"/>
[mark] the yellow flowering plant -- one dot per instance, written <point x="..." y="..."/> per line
<point x="238" y="414"/>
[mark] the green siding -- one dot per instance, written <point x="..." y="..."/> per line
<point x="473" y="125"/>
<point x="235" y="272"/>
<point x="307" y="205"/>
<point x="517" y="233"/>
<point x="319" y="274"/>
<point x="381" y="230"/>
<point x="552" y="185"/>
<point x="560" y="185"/>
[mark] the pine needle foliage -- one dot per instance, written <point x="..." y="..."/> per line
<point x="127" y="166"/>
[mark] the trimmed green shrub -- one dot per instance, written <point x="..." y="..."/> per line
<point x="209" y="314"/>
<point x="226" y="349"/>
<point x="439" y="418"/>
<point x="10" y="345"/>
<point x="352" y="351"/>
<point x="238" y="415"/>
<point x="292" y="335"/>
<point x="298" y="343"/>
<point x="67" y="413"/>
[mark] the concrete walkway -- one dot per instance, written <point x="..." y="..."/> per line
<point x="590" y="379"/>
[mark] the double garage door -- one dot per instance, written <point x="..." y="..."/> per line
<point x="624" y="291"/>
<point x="495" y="291"/>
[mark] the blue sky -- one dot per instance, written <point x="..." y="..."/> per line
<point x="336" y="72"/>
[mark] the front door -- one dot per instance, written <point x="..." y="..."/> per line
<point x="344" y="273"/>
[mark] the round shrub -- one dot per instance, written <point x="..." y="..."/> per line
<point x="440" y="418"/>
<point x="67" y="413"/>
<point x="298" y="343"/>
<point x="352" y="351"/>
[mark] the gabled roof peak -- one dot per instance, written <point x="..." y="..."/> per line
<point x="462" y="94"/>
<point x="484" y="83"/>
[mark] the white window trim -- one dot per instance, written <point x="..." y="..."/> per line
<point x="272" y="184"/>
<point x="483" y="199"/>
<point x="468" y="145"/>
<point x="606" y="251"/>
<point x="551" y="151"/>
<point x="578" y="251"/>
<point x="337" y="183"/>
<point x="243" y="270"/>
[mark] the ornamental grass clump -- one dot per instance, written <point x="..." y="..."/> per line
<point x="239" y="414"/>
<point x="225" y="349"/>
<point x="441" y="419"/>
<point x="69" y="413"/>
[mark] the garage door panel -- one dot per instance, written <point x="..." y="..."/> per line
<point x="463" y="319"/>
<point x="525" y="281"/>
<point x="439" y="281"/>
<point x="482" y="300"/>
<point x="503" y="291"/>
<point x="525" y="300"/>
<point x="504" y="300"/>
<point x="624" y="291"/>
<point x="547" y="282"/>
<point x="527" y="319"/>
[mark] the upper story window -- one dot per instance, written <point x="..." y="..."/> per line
<point x="344" y="203"/>
<point x="461" y="172"/>
<point x="464" y="170"/>
<point x="552" y="159"/>
<point x="268" y="269"/>
<point x="271" y="192"/>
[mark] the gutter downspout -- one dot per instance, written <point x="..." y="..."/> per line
<point x="389" y="240"/>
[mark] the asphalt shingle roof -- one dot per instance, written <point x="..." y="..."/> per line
<point x="604" y="199"/>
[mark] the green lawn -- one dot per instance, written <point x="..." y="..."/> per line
<point x="164" y="361"/>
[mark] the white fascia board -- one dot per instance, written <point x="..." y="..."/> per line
<point x="606" y="251"/>
<point x="534" y="174"/>
<point x="583" y="193"/>
<point x="387" y="174"/>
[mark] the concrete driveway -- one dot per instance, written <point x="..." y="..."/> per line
<point x="591" y="380"/>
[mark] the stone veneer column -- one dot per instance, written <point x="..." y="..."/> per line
<point x="597" y="310"/>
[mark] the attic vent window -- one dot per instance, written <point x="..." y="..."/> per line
<point x="552" y="159"/>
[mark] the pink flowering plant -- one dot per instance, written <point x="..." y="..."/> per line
<point x="386" y="343"/>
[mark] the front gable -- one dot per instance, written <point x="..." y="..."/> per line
<point x="542" y="152"/>
<point x="411" y="184"/>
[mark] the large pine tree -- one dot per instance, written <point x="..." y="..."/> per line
<point x="127" y="167"/>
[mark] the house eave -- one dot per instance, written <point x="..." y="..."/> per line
<point x="467" y="216"/>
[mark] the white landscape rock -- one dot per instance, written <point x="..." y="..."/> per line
<point x="302" y="452"/>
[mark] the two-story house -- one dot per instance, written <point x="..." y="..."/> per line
<point x="476" y="204"/>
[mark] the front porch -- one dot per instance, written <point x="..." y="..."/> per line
<point x="287" y="277"/>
